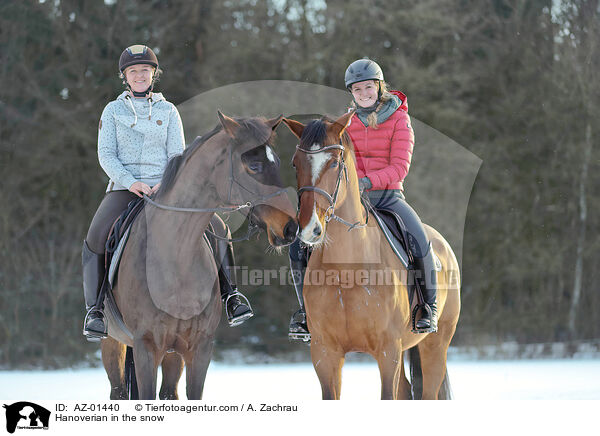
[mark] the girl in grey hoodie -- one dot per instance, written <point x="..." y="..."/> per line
<point x="137" y="135"/>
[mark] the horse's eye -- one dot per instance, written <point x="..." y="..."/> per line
<point x="256" y="167"/>
<point x="334" y="164"/>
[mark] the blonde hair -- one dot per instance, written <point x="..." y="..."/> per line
<point x="385" y="96"/>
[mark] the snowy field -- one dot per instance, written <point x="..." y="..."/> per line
<point x="481" y="388"/>
<point x="470" y="380"/>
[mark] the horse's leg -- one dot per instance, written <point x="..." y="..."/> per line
<point x="196" y="365"/>
<point x="403" y="392"/>
<point x="328" y="362"/>
<point x="433" y="351"/>
<point x="172" y="367"/>
<point x="389" y="360"/>
<point x="146" y="366"/>
<point x="113" y="359"/>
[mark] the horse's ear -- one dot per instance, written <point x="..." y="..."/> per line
<point x="274" y="122"/>
<point x="342" y="123"/>
<point x="229" y="124"/>
<point x="295" y="126"/>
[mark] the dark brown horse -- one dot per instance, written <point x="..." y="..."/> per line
<point x="355" y="287"/>
<point x="167" y="288"/>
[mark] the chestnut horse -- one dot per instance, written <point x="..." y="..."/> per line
<point x="348" y="308"/>
<point x="167" y="288"/>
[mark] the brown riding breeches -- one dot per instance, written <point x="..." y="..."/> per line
<point x="112" y="205"/>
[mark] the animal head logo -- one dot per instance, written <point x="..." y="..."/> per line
<point x="26" y="415"/>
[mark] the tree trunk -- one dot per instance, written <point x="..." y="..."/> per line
<point x="577" y="285"/>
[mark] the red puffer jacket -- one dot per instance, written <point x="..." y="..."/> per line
<point x="384" y="154"/>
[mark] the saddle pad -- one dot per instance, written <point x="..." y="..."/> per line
<point x="394" y="242"/>
<point x="116" y="258"/>
<point x="391" y="228"/>
<point x="119" y="232"/>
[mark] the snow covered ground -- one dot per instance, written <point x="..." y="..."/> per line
<point x="559" y="379"/>
<point x="479" y="386"/>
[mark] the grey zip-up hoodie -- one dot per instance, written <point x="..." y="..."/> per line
<point x="136" y="138"/>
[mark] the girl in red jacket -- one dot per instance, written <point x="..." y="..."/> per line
<point x="383" y="143"/>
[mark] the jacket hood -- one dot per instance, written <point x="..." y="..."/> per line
<point x="128" y="101"/>
<point x="402" y="97"/>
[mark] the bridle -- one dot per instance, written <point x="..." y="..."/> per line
<point x="251" y="204"/>
<point x="332" y="198"/>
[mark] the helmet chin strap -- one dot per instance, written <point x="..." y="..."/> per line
<point x="140" y="94"/>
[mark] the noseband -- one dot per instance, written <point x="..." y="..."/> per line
<point x="331" y="198"/>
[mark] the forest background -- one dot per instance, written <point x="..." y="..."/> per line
<point x="514" y="82"/>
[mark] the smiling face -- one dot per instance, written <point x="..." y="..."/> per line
<point x="139" y="77"/>
<point x="365" y="93"/>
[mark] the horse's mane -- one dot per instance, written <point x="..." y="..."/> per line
<point x="251" y="126"/>
<point x="316" y="132"/>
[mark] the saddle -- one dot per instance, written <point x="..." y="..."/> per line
<point x="395" y="232"/>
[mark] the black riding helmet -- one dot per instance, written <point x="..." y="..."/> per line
<point x="362" y="69"/>
<point x="135" y="55"/>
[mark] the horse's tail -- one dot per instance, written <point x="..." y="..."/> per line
<point x="416" y="377"/>
<point x="130" y="379"/>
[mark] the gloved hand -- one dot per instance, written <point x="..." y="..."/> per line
<point x="364" y="183"/>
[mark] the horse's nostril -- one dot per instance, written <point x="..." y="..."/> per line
<point x="317" y="231"/>
<point x="290" y="230"/>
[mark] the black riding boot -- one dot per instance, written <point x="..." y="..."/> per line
<point x="298" y="329"/>
<point x="237" y="306"/>
<point x="428" y="283"/>
<point x="94" y="327"/>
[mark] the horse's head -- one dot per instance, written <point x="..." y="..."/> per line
<point x="235" y="167"/>
<point x="250" y="174"/>
<point x="321" y="171"/>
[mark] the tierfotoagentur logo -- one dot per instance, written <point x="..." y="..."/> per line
<point x="26" y="415"/>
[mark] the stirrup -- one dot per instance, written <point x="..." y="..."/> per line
<point x="93" y="335"/>
<point x="299" y="336"/>
<point x="298" y="330"/>
<point x="432" y="325"/>
<point x="237" y="320"/>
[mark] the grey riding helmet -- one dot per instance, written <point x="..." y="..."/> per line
<point x="362" y="69"/>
